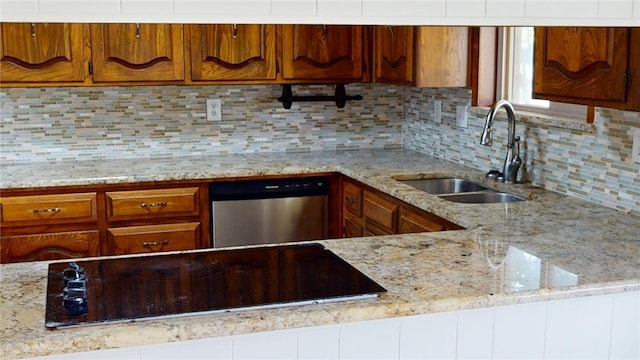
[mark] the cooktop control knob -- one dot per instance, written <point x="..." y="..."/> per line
<point x="74" y="290"/>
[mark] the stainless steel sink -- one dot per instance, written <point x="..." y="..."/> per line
<point x="461" y="190"/>
<point x="482" y="197"/>
<point x="444" y="186"/>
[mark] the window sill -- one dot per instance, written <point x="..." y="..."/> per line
<point x="541" y="119"/>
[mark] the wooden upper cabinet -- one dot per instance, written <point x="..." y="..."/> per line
<point x="232" y="52"/>
<point x="322" y="52"/>
<point x="588" y="65"/>
<point x="424" y="56"/>
<point x="394" y="54"/>
<point x="41" y="52"/>
<point x="137" y="52"/>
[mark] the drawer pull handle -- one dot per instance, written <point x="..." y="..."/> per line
<point x="45" y="211"/>
<point x="155" y="243"/>
<point x="155" y="204"/>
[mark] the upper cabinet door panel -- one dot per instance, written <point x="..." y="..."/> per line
<point x="581" y="63"/>
<point x="322" y="52"/>
<point x="41" y="52"/>
<point x="233" y="52"/>
<point x="394" y="54"/>
<point x="137" y="52"/>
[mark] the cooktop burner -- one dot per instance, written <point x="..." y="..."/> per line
<point x="145" y="287"/>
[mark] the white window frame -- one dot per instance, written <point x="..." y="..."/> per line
<point x="507" y="82"/>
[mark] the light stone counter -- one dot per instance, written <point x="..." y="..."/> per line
<point x="550" y="247"/>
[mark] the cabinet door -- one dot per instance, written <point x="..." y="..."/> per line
<point x="49" y="246"/>
<point x="41" y="52"/>
<point x="352" y="228"/>
<point x="233" y="52"/>
<point x="324" y="52"/>
<point x="137" y="52"/>
<point x="394" y="54"/>
<point x="581" y="65"/>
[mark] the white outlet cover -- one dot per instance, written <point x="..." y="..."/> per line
<point x="635" y="149"/>
<point x="462" y="116"/>
<point x="214" y="110"/>
<point x="437" y="111"/>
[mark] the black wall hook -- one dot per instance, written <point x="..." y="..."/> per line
<point x="340" y="97"/>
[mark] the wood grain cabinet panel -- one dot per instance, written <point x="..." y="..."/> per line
<point x="587" y="63"/>
<point x="137" y="52"/>
<point x="322" y="52"/>
<point x="352" y="198"/>
<point x="382" y="211"/>
<point x="153" y="238"/>
<point x="49" y="209"/>
<point x="422" y="56"/>
<point x="52" y="246"/>
<point x="352" y="228"/>
<point x="382" y="214"/>
<point x="232" y="52"/>
<point x="394" y="54"/>
<point x="41" y="52"/>
<point x="153" y="203"/>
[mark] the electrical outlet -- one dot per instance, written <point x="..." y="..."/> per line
<point x="214" y="110"/>
<point x="437" y="111"/>
<point x="462" y="117"/>
<point x="635" y="149"/>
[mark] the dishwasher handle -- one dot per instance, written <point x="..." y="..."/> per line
<point x="268" y="188"/>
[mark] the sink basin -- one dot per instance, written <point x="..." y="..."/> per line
<point x="461" y="190"/>
<point x="482" y="197"/>
<point x="445" y="186"/>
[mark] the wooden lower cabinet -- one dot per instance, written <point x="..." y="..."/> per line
<point x="413" y="222"/>
<point x="368" y="212"/>
<point x="152" y="238"/>
<point x="381" y="211"/>
<point x="352" y="228"/>
<point x="54" y="246"/>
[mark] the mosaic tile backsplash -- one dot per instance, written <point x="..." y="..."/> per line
<point x="596" y="167"/>
<point x="53" y="124"/>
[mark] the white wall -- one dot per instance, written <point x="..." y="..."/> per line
<point x="596" y="327"/>
<point x="419" y="12"/>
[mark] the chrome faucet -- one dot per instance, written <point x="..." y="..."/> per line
<point x="512" y="161"/>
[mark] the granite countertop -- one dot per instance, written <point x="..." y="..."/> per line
<point x="549" y="247"/>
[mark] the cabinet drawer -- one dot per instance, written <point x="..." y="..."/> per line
<point x="136" y="204"/>
<point x="380" y="210"/>
<point x="410" y="222"/>
<point x="49" y="246"/>
<point x="152" y="238"/>
<point x="414" y="222"/>
<point x="371" y="229"/>
<point x="50" y="209"/>
<point x="352" y="197"/>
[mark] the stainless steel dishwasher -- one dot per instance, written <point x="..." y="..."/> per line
<point x="269" y="211"/>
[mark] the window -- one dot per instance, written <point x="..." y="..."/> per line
<point x="517" y="82"/>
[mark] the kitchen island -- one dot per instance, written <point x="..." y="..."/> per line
<point x="548" y="248"/>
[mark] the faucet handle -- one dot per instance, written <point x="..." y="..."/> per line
<point x="516" y="142"/>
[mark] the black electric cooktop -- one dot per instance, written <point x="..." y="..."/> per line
<point x="146" y="287"/>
